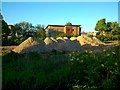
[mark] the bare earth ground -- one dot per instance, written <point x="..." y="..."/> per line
<point x="96" y="48"/>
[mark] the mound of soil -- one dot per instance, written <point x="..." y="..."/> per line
<point x="26" y="44"/>
<point x="59" y="44"/>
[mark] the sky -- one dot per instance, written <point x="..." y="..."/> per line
<point x="85" y="14"/>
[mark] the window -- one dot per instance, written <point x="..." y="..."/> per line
<point x="68" y="30"/>
<point x="72" y="29"/>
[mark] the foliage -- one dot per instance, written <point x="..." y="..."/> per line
<point x="40" y="33"/>
<point x="101" y="25"/>
<point x="99" y="70"/>
<point x="65" y="35"/>
<point x="5" y="30"/>
<point x="13" y="41"/>
<point x="108" y="38"/>
<point x="24" y="28"/>
<point x="58" y="71"/>
<point x="20" y="32"/>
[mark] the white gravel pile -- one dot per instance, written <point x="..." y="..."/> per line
<point x="59" y="44"/>
<point x="26" y="44"/>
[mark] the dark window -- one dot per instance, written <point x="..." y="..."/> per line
<point x="72" y="29"/>
<point x="68" y="30"/>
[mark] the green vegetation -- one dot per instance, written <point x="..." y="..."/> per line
<point x="65" y="35"/>
<point x="112" y="27"/>
<point x="5" y="31"/>
<point x="13" y="41"/>
<point x="61" y="71"/>
<point x="20" y="32"/>
<point x="101" y="26"/>
<point x="40" y="33"/>
<point x="108" y="38"/>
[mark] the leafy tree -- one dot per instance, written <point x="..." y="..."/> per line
<point x="109" y="27"/>
<point x="101" y="25"/>
<point x="68" y="23"/>
<point x="40" y="32"/>
<point x="24" y="28"/>
<point x="18" y="29"/>
<point x="115" y="28"/>
<point x="13" y="31"/>
<point x="5" y="30"/>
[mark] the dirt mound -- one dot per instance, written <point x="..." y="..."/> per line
<point x="93" y="41"/>
<point x="48" y="45"/>
<point x="65" y="38"/>
<point x="68" y="45"/>
<point x="59" y="44"/>
<point x="26" y="44"/>
<point x="73" y="38"/>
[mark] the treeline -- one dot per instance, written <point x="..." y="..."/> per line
<point x="108" y="30"/>
<point x="15" y="34"/>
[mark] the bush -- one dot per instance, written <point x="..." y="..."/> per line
<point x="13" y="41"/>
<point x="108" y="38"/>
<point x="65" y="35"/>
<point x="96" y="69"/>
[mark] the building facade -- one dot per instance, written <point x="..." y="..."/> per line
<point x="52" y="30"/>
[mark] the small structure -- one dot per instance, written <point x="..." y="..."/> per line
<point x="52" y="30"/>
<point x="95" y="33"/>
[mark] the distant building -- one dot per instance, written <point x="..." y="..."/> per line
<point x="52" y="30"/>
<point x="93" y="33"/>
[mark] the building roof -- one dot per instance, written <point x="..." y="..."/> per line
<point x="61" y="25"/>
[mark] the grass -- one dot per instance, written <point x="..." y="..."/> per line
<point x="61" y="71"/>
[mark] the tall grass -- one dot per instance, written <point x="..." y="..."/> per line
<point x="62" y="71"/>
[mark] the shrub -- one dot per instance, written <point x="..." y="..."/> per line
<point x="96" y="69"/>
<point x="65" y="35"/>
<point x="13" y="41"/>
<point x="108" y="38"/>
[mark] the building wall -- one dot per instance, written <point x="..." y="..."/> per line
<point x="68" y="30"/>
<point x="57" y="28"/>
<point x="76" y="30"/>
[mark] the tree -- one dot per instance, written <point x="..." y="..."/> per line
<point x="5" y="30"/>
<point x="115" y="28"/>
<point x="101" y="26"/>
<point x="40" y="32"/>
<point x="68" y="23"/>
<point x="24" y="28"/>
<point x="109" y="28"/>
